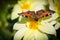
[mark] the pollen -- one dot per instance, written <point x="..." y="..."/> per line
<point x="33" y="25"/>
<point x="25" y="6"/>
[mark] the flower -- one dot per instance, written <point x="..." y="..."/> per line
<point x="55" y="6"/>
<point x="34" y="29"/>
<point x="24" y="5"/>
<point x="30" y="29"/>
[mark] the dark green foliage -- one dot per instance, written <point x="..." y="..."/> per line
<point x="5" y="34"/>
<point x="52" y="37"/>
<point x="6" y="24"/>
<point x="58" y="33"/>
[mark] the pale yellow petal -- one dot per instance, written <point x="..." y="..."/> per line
<point x="54" y="16"/>
<point x="15" y="11"/>
<point x="35" y="35"/>
<point x="53" y="22"/>
<point x="18" y="26"/>
<point x="57" y="26"/>
<point x="47" y="28"/>
<point x="20" y="17"/>
<point x="28" y="35"/>
<point x="37" y="6"/>
<point x="19" y="34"/>
<point x="40" y="36"/>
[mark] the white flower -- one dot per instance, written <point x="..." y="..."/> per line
<point x="33" y="31"/>
<point x="24" y="5"/>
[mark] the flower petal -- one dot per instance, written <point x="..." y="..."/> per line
<point x="15" y="11"/>
<point x="28" y="35"/>
<point x="47" y="28"/>
<point x="20" y="17"/>
<point x="54" y="16"/>
<point x="57" y="26"/>
<point x="35" y="35"/>
<point x="37" y="5"/>
<point x="18" y="26"/>
<point x="40" y="36"/>
<point x="53" y="22"/>
<point x="20" y="34"/>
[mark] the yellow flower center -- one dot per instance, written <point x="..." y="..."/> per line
<point x="33" y="25"/>
<point x="25" y="6"/>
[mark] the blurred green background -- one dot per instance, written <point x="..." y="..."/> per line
<point x="6" y="24"/>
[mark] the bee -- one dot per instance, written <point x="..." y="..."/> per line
<point x="38" y="14"/>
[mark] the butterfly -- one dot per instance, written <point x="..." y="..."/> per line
<point x="38" y="14"/>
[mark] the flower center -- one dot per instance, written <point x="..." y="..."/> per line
<point x="25" y="6"/>
<point x="33" y="25"/>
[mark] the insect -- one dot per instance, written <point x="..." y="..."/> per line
<point x="28" y="14"/>
<point x="38" y="14"/>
